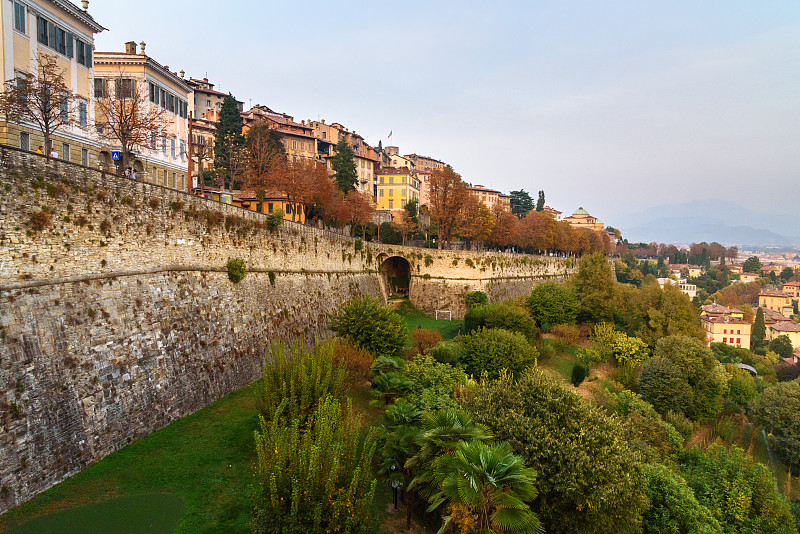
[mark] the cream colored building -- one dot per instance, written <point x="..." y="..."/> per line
<point x="748" y="277"/>
<point x="166" y="160"/>
<point x="792" y="289"/>
<point x="785" y="328"/>
<point x="582" y="219"/>
<point x="425" y="163"/>
<point x="62" y="30"/>
<point x="491" y="197"/>
<point x="727" y="329"/>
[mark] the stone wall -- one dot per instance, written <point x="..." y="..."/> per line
<point x="117" y="315"/>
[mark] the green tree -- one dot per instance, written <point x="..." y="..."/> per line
<point x="228" y="139"/>
<point x="491" y="350"/>
<point x="475" y="299"/>
<point x="699" y="369"/>
<point x="739" y="492"/>
<point x="344" y="166"/>
<point x="551" y="303"/>
<point x="777" y="411"/>
<point x="314" y="478"/>
<point x="752" y="265"/>
<point x="758" y="332"/>
<point x="521" y="203"/>
<point x="389" y="234"/>
<point x="663" y="384"/>
<point x="589" y="479"/>
<point x="540" y="202"/>
<point x="492" y="485"/>
<point x="594" y="286"/>
<point x="673" y="506"/>
<point x="370" y="326"/>
<point x="787" y="274"/>
<point x="782" y="346"/>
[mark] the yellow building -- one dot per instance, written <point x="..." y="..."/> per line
<point x="396" y="187"/>
<point x="748" y="277"/>
<point x="272" y="202"/>
<point x="62" y="30"/>
<point x="785" y="328"/>
<point x="582" y="219"/>
<point x="727" y="329"/>
<point x="776" y="300"/>
<point x="166" y="160"/>
<point x="792" y="289"/>
<point x="694" y="270"/>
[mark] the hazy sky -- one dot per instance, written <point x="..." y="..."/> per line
<point x="614" y="106"/>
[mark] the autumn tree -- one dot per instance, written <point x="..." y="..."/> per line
<point x="265" y="164"/>
<point x="344" y="166"/>
<point x="476" y="221"/>
<point x="448" y="194"/>
<point x="42" y="98"/>
<point x="360" y="210"/>
<point x="505" y="228"/>
<point x="124" y="115"/>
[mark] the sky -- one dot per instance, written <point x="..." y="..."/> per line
<point x="615" y="106"/>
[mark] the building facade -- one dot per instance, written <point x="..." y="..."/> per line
<point x="425" y="163"/>
<point x="582" y="219"/>
<point x="396" y="187"/>
<point x="165" y="161"/>
<point x="65" y="32"/>
<point x="727" y="329"/>
<point x="776" y="300"/>
<point x="789" y="329"/>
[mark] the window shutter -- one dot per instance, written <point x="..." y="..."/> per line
<point x="70" y="48"/>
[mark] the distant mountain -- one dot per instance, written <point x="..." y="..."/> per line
<point x="709" y="220"/>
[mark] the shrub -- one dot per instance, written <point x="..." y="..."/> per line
<point x="423" y="340"/>
<point x="546" y="351"/>
<point x="673" y="506"/>
<point x="579" y="374"/>
<point x="431" y="385"/>
<point x="568" y="332"/>
<point x="681" y="423"/>
<point x="448" y="352"/>
<point x="491" y="350"/>
<point x="154" y="203"/>
<point x="589" y="479"/>
<point x="176" y="205"/>
<point x="370" y="326"/>
<point x="237" y="270"/>
<point x="474" y="298"/>
<point x="475" y="318"/>
<point x="39" y="220"/>
<point x="356" y="359"/>
<point x="318" y="480"/>
<point x="359" y="244"/>
<point x="389" y="234"/>
<point x="551" y="303"/>
<point x="275" y="220"/>
<point x="663" y="385"/>
<point x="296" y="380"/>
<point x="511" y="317"/>
<point x="105" y="226"/>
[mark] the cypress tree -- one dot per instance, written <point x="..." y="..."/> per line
<point x="344" y="166"/>
<point x="540" y="202"/>
<point x="759" y="330"/>
<point x="228" y="134"/>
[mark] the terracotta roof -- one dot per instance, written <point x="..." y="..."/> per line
<point x="786" y="326"/>
<point x="792" y="284"/>
<point x="718" y="309"/>
<point x="750" y="274"/>
<point x="723" y="319"/>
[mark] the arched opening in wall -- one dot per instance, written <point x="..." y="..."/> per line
<point x="105" y="161"/>
<point x="139" y="168"/>
<point x="396" y="273"/>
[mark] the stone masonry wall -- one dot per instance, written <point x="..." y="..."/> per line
<point x="117" y="315"/>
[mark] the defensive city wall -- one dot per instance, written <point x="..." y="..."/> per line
<point x="117" y="315"/>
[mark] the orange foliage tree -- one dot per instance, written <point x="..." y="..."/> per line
<point x="447" y="196"/>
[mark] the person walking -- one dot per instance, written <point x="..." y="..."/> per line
<point x="133" y="174"/>
<point x="127" y="172"/>
<point x="40" y="150"/>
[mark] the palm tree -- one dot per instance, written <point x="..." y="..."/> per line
<point x="487" y="488"/>
<point x="440" y="434"/>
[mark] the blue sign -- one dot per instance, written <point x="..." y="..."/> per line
<point x="115" y="155"/>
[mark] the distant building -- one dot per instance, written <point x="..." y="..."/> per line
<point x="727" y="329"/>
<point x="425" y="163"/>
<point x="687" y="289"/>
<point x="396" y="187"/>
<point x="792" y="289"/>
<point x="776" y="300"/>
<point x="299" y="141"/>
<point x="789" y="329"/>
<point x="716" y="310"/>
<point x="582" y="219"/>
<point x="271" y="202"/>
<point x="554" y="212"/>
<point x="748" y="277"/>
<point x="367" y="158"/>
<point x="694" y="270"/>
<point x="491" y="197"/>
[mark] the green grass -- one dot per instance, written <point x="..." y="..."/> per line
<point x="205" y="460"/>
<point x="562" y="362"/>
<point x="414" y="318"/>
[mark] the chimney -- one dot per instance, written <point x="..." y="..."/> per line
<point x="182" y="74"/>
<point x="85" y="5"/>
<point x="166" y="68"/>
<point x="141" y="45"/>
<point x="130" y="47"/>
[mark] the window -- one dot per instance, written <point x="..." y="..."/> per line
<point x="163" y="99"/>
<point x="83" y="114"/>
<point x="294" y="144"/>
<point x="380" y="193"/>
<point x="183" y="149"/>
<point x="172" y="147"/>
<point x="391" y="203"/>
<point x="65" y="151"/>
<point x="41" y="26"/>
<point x="85" y="157"/>
<point x="174" y="180"/>
<point x="153" y="140"/>
<point x="725" y="331"/>
<point x="739" y="340"/>
<point x="19" y="17"/>
<point x="70" y="46"/>
<point x="100" y="87"/>
<point x="324" y="135"/>
<point x="164" y="151"/>
<point x="183" y="181"/>
<point x="724" y="339"/>
<point x="165" y="177"/>
<point x="123" y="87"/>
<point x="270" y="207"/>
<point x="61" y="41"/>
<point x="24" y="140"/>
<point x="208" y="103"/>
<point x="81" y="46"/>
<point x="63" y="108"/>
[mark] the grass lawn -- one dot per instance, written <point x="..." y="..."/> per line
<point x="205" y="460"/>
<point x="561" y="363"/>
<point x="414" y="318"/>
